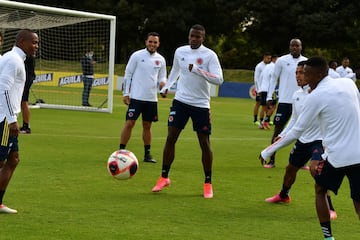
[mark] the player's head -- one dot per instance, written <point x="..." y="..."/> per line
<point x="300" y="74"/>
<point x="267" y="58"/>
<point x="274" y="58"/>
<point x="345" y="62"/>
<point x="316" y="68"/>
<point x="333" y="64"/>
<point x="28" y="41"/>
<point x="152" y="42"/>
<point x="295" y="47"/>
<point x="196" y="36"/>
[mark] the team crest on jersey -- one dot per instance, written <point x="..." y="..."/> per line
<point x="157" y="62"/>
<point x="199" y="61"/>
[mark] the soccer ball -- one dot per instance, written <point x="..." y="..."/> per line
<point x="122" y="164"/>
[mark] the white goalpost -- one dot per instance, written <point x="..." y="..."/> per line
<point x="65" y="35"/>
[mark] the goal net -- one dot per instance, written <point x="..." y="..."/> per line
<point x="65" y="37"/>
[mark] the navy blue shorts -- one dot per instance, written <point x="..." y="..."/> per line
<point x="8" y="143"/>
<point x="302" y="152"/>
<point x="283" y="114"/>
<point x="263" y="96"/>
<point x="147" y="109"/>
<point x="257" y="97"/>
<point x="331" y="178"/>
<point x="181" y="112"/>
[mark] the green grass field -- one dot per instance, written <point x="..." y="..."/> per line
<point x="62" y="189"/>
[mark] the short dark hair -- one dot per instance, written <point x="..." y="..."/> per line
<point x="198" y="27"/>
<point x="332" y="63"/>
<point x="318" y="63"/>
<point x="155" y="34"/>
<point x="301" y="63"/>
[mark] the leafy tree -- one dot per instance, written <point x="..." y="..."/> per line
<point x="239" y="30"/>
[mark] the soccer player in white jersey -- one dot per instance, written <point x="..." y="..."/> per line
<point x="267" y="107"/>
<point x="195" y="67"/>
<point x="257" y="82"/>
<point x="338" y="115"/>
<point x="345" y="71"/>
<point x="284" y="74"/>
<point x="308" y="146"/>
<point x="332" y="69"/>
<point x="12" y="81"/>
<point x="144" y="74"/>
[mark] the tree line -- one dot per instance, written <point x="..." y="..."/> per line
<point x="240" y="31"/>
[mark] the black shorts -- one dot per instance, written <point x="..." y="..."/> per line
<point x="147" y="109"/>
<point x="257" y="97"/>
<point x="7" y="143"/>
<point x="283" y="114"/>
<point x="331" y="178"/>
<point x="263" y="96"/>
<point x="181" y="112"/>
<point x="302" y="152"/>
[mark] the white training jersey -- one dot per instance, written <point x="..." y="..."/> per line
<point x="346" y="72"/>
<point x="339" y="118"/>
<point x="265" y="78"/>
<point x="312" y="133"/>
<point x="332" y="73"/>
<point x="12" y="81"/>
<point x="143" y="72"/>
<point x="285" y="68"/>
<point x="193" y="88"/>
<point x="257" y="74"/>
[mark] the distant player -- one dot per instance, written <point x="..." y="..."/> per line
<point x="257" y="82"/>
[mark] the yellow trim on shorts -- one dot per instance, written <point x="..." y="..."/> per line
<point x="5" y="135"/>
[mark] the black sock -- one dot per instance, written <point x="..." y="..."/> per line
<point x="326" y="229"/>
<point x="208" y="177"/>
<point x="330" y="203"/>
<point x="25" y="125"/>
<point x="165" y="171"/>
<point x="122" y="146"/>
<point x="284" y="192"/>
<point x="2" y="192"/>
<point x="267" y="118"/>
<point x="147" y="150"/>
<point x="255" y="118"/>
